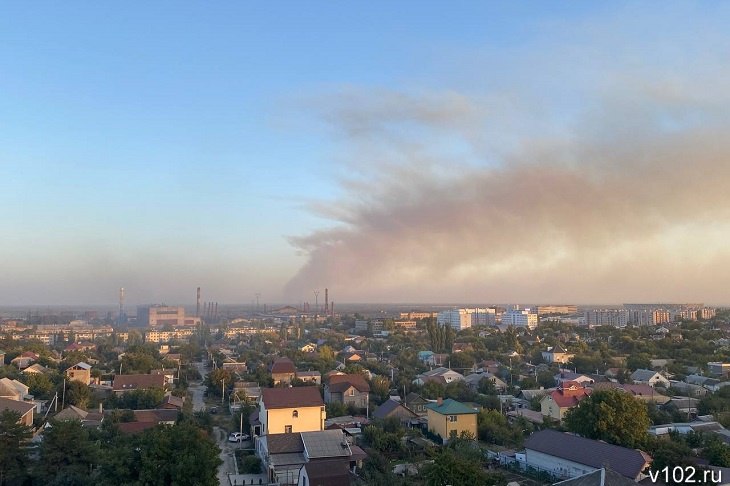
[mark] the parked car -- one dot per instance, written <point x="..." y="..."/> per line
<point x="237" y="437"/>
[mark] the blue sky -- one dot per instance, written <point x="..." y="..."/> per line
<point x="169" y="145"/>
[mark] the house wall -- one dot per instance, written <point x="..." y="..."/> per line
<point x="561" y="468"/>
<point x="309" y="419"/>
<point x="440" y="425"/>
<point x="282" y="377"/>
<point x="549" y="408"/>
<point x="79" y="374"/>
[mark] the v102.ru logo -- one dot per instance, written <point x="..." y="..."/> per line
<point x="685" y="475"/>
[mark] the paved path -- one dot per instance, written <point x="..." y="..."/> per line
<point x="197" y="388"/>
<point x="226" y="456"/>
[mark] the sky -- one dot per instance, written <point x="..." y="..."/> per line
<point x="562" y="152"/>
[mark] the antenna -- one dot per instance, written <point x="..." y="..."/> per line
<point x="316" y="303"/>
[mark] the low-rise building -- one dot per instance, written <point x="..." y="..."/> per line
<point x="347" y="389"/>
<point x="126" y="383"/>
<point x="288" y="410"/>
<point x="79" y="372"/>
<point x="565" y="456"/>
<point x="649" y="377"/>
<point x="557" y="403"/>
<point x="283" y="370"/>
<point x="447" y="416"/>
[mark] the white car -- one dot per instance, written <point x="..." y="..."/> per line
<point x="237" y="437"/>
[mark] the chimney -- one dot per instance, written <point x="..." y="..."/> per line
<point x="439" y="401"/>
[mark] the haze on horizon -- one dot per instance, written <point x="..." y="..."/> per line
<point x="485" y="153"/>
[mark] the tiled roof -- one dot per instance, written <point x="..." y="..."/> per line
<point x="331" y="473"/>
<point x="283" y="365"/>
<point x="601" y="477"/>
<point x="299" y="396"/>
<point x="156" y="415"/>
<point x="387" y="407"/>
<point x="135" y="427"/>
<point x="136" y="382"/>
<point x="593" y="453"/>
<point x="340" y="383"/>
<point x="284" y="443"/>
<point x="450" y="407"/>
<point x="16" y="406"/>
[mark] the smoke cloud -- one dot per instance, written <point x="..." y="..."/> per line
<point x="618" y="193"/>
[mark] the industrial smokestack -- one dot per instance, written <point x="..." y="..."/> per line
<point x="121" y="304"/>
<point x="326" y="302"/>
<point x="215" y="313"/>
<point x="197" y="304"/>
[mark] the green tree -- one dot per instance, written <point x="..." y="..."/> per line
<point x="13" y="453"/>
<point x="610" y="415"/>
<point x="77" y="393"/>
<point x="67" y="454"/>
<point x="195" y="457"/>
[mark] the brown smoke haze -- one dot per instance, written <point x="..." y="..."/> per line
<point x="451" y="196"/>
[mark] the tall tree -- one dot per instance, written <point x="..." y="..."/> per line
<point x="610" y="415"/>
<point x="67" y="454"/>
<point x="13" y="453"/>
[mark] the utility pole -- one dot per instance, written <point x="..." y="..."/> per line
<point x="63" y="403"/>
<point x="223" y="391"/>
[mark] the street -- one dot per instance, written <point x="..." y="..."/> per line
<point x="197" y="389"/>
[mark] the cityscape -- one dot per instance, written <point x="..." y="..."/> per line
<point x="349" y="244"/>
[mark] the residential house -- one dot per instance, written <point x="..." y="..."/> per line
<point x="149" y="419"/>
<point x="308" y="348"/>
<point x="649" y="377"/>
<point x="283" y="370"/>
<point x="474" y="379"/>
<point x="35" y="369"/>
<point x="527" y="414"/>
<point x="284" y="456"/>
<point x="600" y="477"/>
<point x="566" y="456"/>
<point x="247" y="390"/>
<point x="24" y="409"/>
<point x="13" y="389"/>
<point x="394" y="409"/>
<point x="348" y="389"/>
<point x="567" y="375"/>
<point x="235" y="366"/>
<point x="716" y="368"/>
<point x="440" y="375"/>
<point x="415" y="402"/>
<point x="688" y="388"/>
<point x="81" y="347"/>
<point x="172" y="402"/>
<point x="643" y="392"/>
<point x="287" y="410"/>
<point x="313" y="377"/>
<point x="330" y="473"/>
<point x="24" y="360"/>
<point x="557" y="403"/>
<point x="557" y="354"/>
<point x="87" y="419"/>
<point x="125" y="383"/>
<point x="79" y="372"/>
<point x="168" y="373"/>
<point x="447" y="416"/>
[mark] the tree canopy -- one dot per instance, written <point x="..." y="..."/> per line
<point x="610" y="415"/>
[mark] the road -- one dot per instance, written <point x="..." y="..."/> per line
<point x="197" y="389"/>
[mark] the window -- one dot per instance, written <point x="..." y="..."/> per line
<point x="351" y="392"/>
<point x="287" y="429"/>
<point x="295" y="414"/>
<point x="452" y="418"/>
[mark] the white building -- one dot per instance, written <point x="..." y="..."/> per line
<point x="520" y="318"/>
<point x="465" y="318"/>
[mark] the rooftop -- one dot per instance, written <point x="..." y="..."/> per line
<point x="300" y="396"/>
<point x="450" y="407"/>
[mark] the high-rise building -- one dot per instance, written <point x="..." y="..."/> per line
<point x="520" y="318"/>
<point x="607" y="317"/>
